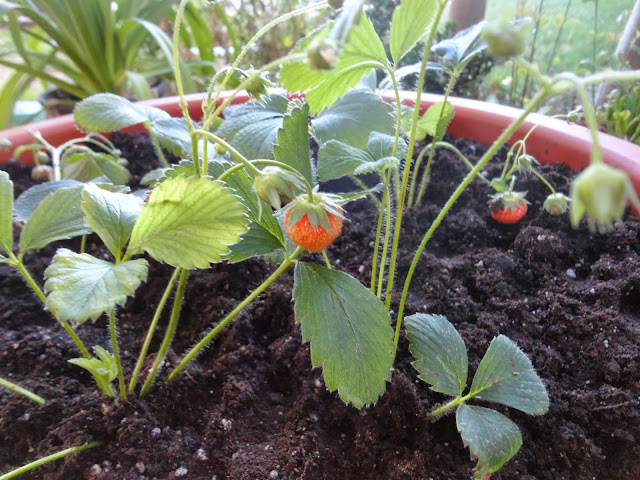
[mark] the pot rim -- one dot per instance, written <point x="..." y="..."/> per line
<point x="553" y="141"/>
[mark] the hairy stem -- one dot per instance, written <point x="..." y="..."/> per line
<point x="531" y="107"/>
<point x="212" y="334"/>
<point x="152" y="329"/>
<point x="168" y="336"/>
<point x="113" y="333"/>
<point x="22" y="391"/>
<point x="47" y="459"/>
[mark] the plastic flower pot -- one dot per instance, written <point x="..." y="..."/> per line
<point x="553" y="141"/>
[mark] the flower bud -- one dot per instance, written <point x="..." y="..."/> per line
<point x="276" y="186"/>
<point x="600" y="192"/>
<point x="499" y="184"/>
<point x="526" y="162"/>
<point x="556" y="203"/>
<point x="504" y="39"/>
<point x="41" y="158"/>
<point x="41" y="172"/>
<point x="322" y="55"/>
<point x="336" y="4"/>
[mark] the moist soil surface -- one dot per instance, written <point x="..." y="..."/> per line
<point x="252" y="407"/>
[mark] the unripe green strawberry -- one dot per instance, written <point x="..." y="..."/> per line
<point x="313" y="239"/>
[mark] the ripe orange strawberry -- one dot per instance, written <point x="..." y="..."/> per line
<point x="511" y="215"/>
<point x="508" y="207"/>
<point x="315" y="240"/>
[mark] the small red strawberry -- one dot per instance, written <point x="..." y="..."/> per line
<point x="508" y="207"/>
<point x="313" y="225"/>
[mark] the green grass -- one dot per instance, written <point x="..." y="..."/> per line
<point x="575" y="46"/>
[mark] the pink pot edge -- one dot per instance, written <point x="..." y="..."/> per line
<point x="553" y="141"/>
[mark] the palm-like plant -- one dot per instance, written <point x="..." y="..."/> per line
<point x="89" y="46"/>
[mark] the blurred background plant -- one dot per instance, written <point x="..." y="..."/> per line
<point x="82" y="47"/>
<point x="120" y="46"/>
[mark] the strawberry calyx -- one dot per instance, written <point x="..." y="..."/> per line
<point x="509" y="200"/>
<point x="316" y="209"/>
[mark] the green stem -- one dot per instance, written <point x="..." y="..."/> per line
<point x="589" y="112"/>
<point x="168" y="336"/>
<point x="558" y="35"/>
<point x="531" y="107"/>
<point x="18" y="265"/>
<point x="22" y="391"/>
<point x="116" y="352"/>
<point x="156" y="144"/>
<point x="385" y="245"/>
<point x="83" y="243"/>
<point x="407" y="169"/>
<point x="436" y="138"/>
<point x="234" y="153"/>
<point x="47" y="459"/>
<point x="326" y="259"/>
<point x="295" y="57"/>
<point x="543" y="180"/>
<point x="152" y="329"/>
<point x="212" y="334"/>
<point x="376" y="246"/>
<point x="250" y="44"/>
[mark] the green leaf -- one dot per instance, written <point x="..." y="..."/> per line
<point x="349" y="330"/>
<point x="104" y="369"/>
<point x="89" y="165"/>
<point x="265" y="234"/>
<point x="6" y="212"/>
<point x="58" y="217"/>
<point x="363" y="45"/>
<point x="435" y="120"/>
<point x="379" y="166"/>
<point x="173" y="134"/>
<point x="82" y="287"/>
<point x="293" y="143"/>
<point x="490" y="436"/>
<point x="411" y="21"/>
<point x="505" y="375"/>
<point x="106" y="112"/>
<point x="337" y="159"/>
<point x="111" y="215"/>
<point x="380" y="145"/>
<point x="353" y="118"/>
<point x="29" y="200"/>
<point x="189" y="222"/>
<point x="441" y="356"/>
<point x="299" y="76"/>
<point x="252" y="129"/>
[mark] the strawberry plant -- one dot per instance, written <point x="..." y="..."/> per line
<point x="247" y="186"/>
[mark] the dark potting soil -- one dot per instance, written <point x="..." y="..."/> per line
<point x="251" y="406"/>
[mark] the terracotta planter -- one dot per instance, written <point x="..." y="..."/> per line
<point x="554" y="141"/>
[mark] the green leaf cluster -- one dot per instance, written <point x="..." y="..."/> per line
<point x="505" y="375"/>
<point x="103" y="368"/>
<point x="337" y="159"/>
